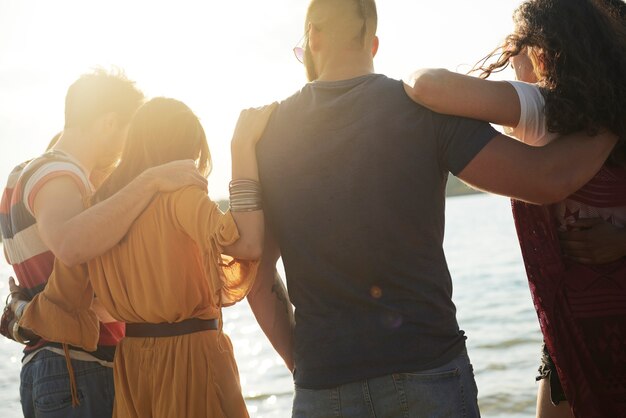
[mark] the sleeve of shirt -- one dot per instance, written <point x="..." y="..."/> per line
<point x="51" y="171"/>
<point x="459" y="140"/>
<point x="532" y="123"/>
<point x="62" y="311"/>
<point x="230" y="279"/>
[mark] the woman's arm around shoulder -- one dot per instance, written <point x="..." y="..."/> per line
<point x="443" y="91"/>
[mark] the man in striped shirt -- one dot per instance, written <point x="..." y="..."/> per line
<point x="43" y="217"/>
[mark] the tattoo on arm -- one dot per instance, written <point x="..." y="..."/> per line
<point x="278" y="288"/>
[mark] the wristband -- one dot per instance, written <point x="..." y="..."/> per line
<point x="16" y="333"/>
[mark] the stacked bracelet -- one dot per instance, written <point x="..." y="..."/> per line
<point x="19" y="311"/>
<point x="245" y="195"/>
<point x="15" y="330"/>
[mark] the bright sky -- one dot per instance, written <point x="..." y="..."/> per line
<point x="216" y="56"/>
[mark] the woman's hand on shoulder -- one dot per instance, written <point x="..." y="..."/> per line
<point x="451" y="93"/>
<point x="423" y="85"/>
<point x="250" y="126"/>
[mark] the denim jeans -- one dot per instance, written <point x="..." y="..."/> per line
<point x="45" y="388"/>
<point x="447" y="391"/>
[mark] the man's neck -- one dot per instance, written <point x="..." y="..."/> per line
<point x="343" y="74"/>
<point x="74" y="143"/>
<point x="345" y="67"/>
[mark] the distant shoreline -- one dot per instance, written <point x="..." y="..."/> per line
<point x="456" y="187"/>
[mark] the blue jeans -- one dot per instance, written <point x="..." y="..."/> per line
<point x="447" y="391"/>
<point x="45" y="388"/>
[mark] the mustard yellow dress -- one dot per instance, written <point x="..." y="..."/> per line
<point x="168" y="268"/>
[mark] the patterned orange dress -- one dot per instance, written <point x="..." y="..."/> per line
<point x="168" y="268"/>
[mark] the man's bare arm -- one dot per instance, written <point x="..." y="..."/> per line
<point x="539" y="175"/>
<point x="270" y="303"/>
<point x="75" y="235"/>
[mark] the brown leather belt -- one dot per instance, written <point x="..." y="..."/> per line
<point x="188" y="326"/>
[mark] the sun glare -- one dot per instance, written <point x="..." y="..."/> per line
<point x="218" y="57"/>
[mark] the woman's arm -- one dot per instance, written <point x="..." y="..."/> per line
<point x="250" y="127"/>
<point x="450" y="93"/>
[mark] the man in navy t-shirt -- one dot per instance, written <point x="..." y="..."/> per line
<point x="353" y="175"/>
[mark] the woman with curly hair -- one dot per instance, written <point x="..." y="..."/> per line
<point x="570" y="58"/>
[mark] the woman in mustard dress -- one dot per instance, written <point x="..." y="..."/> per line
<point x="179" y="264"/>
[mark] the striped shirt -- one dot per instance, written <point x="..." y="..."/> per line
<point x="24" y="249"/>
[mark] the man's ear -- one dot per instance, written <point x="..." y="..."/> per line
<point x="375" y="43"/>
<point x="315" y="38"/>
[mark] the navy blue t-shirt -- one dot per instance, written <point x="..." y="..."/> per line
<point x="353" y="175"/>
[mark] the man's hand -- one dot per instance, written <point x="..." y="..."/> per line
<point x="175" y="175"/>
<point x="595" y="241"/>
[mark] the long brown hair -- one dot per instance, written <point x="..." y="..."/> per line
<point x="162" y="130"/>
<point x="581" y="48"/>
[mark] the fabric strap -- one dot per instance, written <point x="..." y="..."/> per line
<point x="188" y="326"/>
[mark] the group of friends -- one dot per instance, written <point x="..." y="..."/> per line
<point x="124" y="263"/>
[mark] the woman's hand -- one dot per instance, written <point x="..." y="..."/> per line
<point x="251" y="125"/>
<point x="595" y="241"/>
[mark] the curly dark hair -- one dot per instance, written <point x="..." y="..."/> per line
<point x="581" y="45"/>
<point x="617" y="7"/>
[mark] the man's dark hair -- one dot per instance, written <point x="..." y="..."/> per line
<point x="100" y="92"/>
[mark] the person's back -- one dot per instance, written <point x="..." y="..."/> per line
<point x="44" y="221"/>
<point x="354" y="175"/>
<point x="179" y="263"/>
<point x="165" y="272"/>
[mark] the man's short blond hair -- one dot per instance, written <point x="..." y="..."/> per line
<point x="346" y="20"/>
<point x="99" y="92"/>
